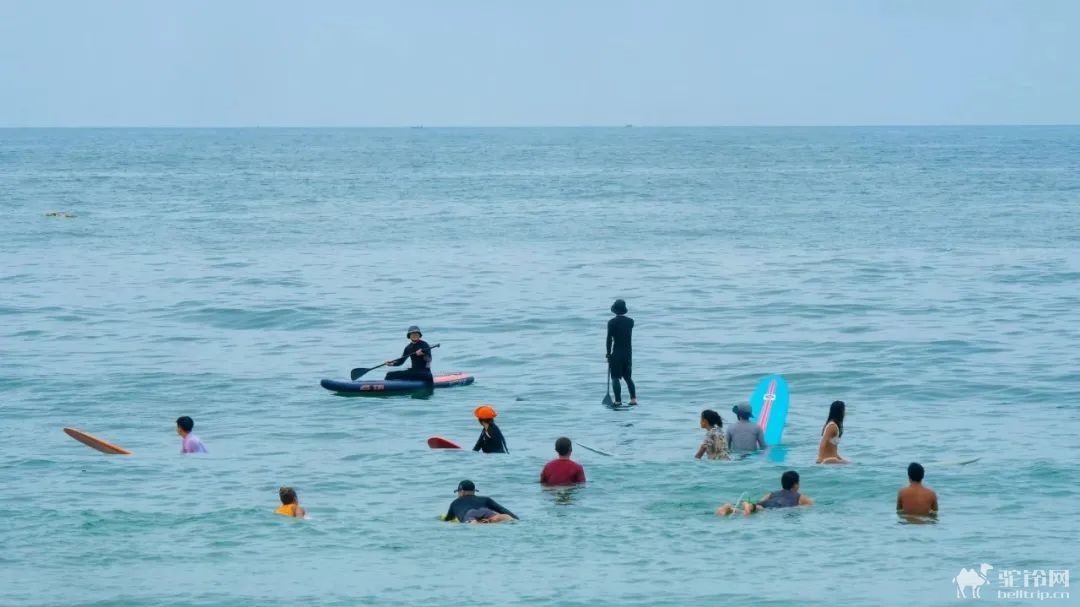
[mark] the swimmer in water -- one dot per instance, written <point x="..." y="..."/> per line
<point x="787" y="497"/>
<point x="472" y="508"/>
<point x="290" y="504"/>
<point x="916" y="499"/>
<point x="491" y="437"/>
<point x="828" y="452"/>
<point x="715" y="444"/>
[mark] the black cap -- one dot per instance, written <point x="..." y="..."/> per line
<point x="413" y="329"/>
<point x="465" y="486"/>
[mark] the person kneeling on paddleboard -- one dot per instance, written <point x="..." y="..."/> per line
<point x="491" y="438"/>
<point x="419" y="352"/>
<point x="472" y="508"/>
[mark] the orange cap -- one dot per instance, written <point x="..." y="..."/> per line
<point x="484" y="412"/>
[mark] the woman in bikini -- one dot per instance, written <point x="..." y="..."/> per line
<point x="830" y="435"/>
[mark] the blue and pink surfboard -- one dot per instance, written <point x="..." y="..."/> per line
<point x="769" y="405"/>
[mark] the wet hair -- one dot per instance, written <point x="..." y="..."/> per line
<point x="185" y="423"/>
<point x="915" y="472"/>
<point x="836" y="414"/>
<point x="712" y="418"/>
<point x="563" y="446"/>
<point x="287" y="495"/>
<point x="789" y="479"/>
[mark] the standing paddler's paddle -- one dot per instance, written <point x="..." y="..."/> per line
<point x="607" y="382"/>
<point x="357" y="372"/>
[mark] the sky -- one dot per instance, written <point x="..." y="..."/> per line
<point x="538" y="62"/>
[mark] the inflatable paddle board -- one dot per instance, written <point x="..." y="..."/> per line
<point x="438" y="442"/>
<point x="95" y="443"/>
<point x="394" y="386"/>
<point x="769" y="406"/>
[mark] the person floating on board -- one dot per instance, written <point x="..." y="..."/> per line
<point x="290" y="504"/>
<point x="472" y="508"/>
<point x="787" y="497"/>
<point x="715" y="444"/>
<point x="491" y="438"/>
<point x="419" y="353"/>
<point x="562" y="470"/>
<point x="830" y="435"/>
<point x="189" y="443"/>
<point x="744" y="435"/>
<point x="916" y="499"/>
<point x="620" y="352"/>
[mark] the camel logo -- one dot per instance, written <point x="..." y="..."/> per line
<point x="973" y="579"/>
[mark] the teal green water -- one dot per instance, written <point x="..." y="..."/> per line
<point x="929" y="277"/>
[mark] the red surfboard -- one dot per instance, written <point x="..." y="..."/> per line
<point x="438" y="442"/>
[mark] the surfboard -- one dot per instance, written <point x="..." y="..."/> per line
<point x="769" y="406"/>
<point x="95" y="443"/>
<point x="438" y="442"/>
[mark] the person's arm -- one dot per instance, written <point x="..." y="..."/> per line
<point x="933" y="505"/>
<point x="543" y="475"/>
<point x="492" y="504"/>
<point x="805" y="501"/>
<point x="499" y="439"/>
<point x="760" y="437"/>
<point x="610" y="340"/>
<point x="700" y="451"/>
<point x="479" y="442"/>
<point x="579" y="475"/>
<point x="397" y="362"/>
<point x="449" y="516"/>
<point x="899" y="501"/>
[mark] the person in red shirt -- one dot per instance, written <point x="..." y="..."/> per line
<point x="562" y="470"/>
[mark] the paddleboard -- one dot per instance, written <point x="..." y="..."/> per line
<point x="769" y="405"/>
<point x="377" y="387"/>
<point x="95" y="443"/>
<point x="438" y="442"/>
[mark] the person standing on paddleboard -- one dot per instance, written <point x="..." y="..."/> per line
<point x="619" y="351"/>
<point x="419" y="352"/>
<point x="491" y="438"/>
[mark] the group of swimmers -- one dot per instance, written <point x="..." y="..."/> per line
<point x="743" y="436"/>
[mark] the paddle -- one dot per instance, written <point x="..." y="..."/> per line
<point x="607" y="383"/>
<point x="357" y="372"/>
<point x="592" y="449"/>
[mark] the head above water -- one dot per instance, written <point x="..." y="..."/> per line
<point x="712" y="418"/>
<point x="915" y="472"/>
<point x="414" y="331"/>
<point x="836" y="415"/>
<point x="619" y="307"/>
<point x="742" y="411"/>
<point x="789" y="479"/>
<point x="465" y="486"/>
<point x="563" y="446"/>
<point x="287" y="495"/>
<point x="185" y="423"/>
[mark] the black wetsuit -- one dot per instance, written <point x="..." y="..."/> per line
<point x="620" y="354"/>
<point x="491" y="441"/>
<point x="462" y="505"/>
<point x="421" y="364"/>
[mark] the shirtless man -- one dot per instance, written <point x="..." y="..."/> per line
<point x="915" y="499"/>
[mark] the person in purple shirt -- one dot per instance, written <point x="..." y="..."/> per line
<point x="189" y="443"/>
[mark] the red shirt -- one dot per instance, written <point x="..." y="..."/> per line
<point x="562" y="472"/>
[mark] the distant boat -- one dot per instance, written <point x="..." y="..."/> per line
<point x="628" y="126"/>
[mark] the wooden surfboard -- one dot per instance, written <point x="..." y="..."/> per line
<point x="96" y="443"/>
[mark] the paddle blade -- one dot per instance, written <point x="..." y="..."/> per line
<point x="607" y="400"/>
<point x="357" y="372"/>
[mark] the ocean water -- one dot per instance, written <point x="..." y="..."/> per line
<point x="929" y="277"/>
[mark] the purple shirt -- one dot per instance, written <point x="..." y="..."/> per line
<point x="192" y="444"/>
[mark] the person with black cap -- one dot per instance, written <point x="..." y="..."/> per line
<point x="419" y="353"/>
<point x="472" y="508"/>
<point x="744" y="435"/>
<point x="619" y="351"/>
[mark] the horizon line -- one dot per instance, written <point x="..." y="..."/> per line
<point x="554" y="126"/>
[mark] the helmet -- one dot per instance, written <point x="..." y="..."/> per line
<point x="484" y="412"/>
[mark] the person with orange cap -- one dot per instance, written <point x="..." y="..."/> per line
<point x="491" y="438"/>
